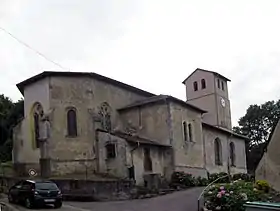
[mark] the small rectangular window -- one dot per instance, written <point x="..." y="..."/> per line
<point x="111" y="150"/>
<point x="219" y="85"/>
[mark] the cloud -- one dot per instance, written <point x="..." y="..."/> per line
<point x="150" y="44"/>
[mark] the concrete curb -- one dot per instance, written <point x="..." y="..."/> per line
<point x="7" y="207"/>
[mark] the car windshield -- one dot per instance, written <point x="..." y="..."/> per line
<point x="46" y="186"/>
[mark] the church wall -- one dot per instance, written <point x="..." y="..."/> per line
<point x="209" y="136"/>
<point x="115" y="166"/>
<point x="188" y="154"/>
<point x="35" y="93"/>
<point x="208" y="103"/>
<point x="149" y="121"/>
<point x="86" y="95"/>
<point x="240" y="156"/>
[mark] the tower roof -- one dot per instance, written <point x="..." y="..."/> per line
<point x="215" y="73"/>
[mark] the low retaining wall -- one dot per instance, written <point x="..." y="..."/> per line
<point x="7" y="207"/>
<point x="97" y="190"/>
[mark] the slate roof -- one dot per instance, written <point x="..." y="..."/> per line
<point x="224" y="130"/>
<point x="135" y="139"/>
<point x="161" y="98"/>
<point x="96" y="76"/>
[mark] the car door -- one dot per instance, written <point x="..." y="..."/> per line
<point x="25" y="190"/>
<point x="14" y="190"/>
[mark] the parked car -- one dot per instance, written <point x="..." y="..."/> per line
<point x="34" y="193"/>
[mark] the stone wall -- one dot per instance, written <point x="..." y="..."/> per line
<point x="114" y="166"/>
<point x="128" y="155"/>
<point x="149" y="121"/>
<point x="79" y="166"/>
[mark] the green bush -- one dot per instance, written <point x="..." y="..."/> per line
<point x="262" y="185"/>
<point x="183" y="179"/>
<point x="232" y="196"/>
<point x="202" y="181"/>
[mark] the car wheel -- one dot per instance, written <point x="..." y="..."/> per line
<point x="57" y="205"/>
<point x="28" y="203"/>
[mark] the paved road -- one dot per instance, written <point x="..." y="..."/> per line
<point x="178" y="201"/>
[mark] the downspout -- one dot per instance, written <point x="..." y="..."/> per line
<point x="170" y="130"/>
<point x="97" y="151"/>
<point x="228" y="155"/>
<point x="131" y="152"/>
<point x="204" y="151"/>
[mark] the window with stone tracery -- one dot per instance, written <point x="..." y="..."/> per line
<point x="105" y="115"/>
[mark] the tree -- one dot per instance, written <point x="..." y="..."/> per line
<point x="10" y="113"/>
<point x="257" y="124"/>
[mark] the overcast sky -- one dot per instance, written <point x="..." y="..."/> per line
<point x="151" y="44"/>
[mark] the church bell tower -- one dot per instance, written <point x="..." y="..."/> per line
<point x="209" y="90"/>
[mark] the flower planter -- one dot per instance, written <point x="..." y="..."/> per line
<point x="261" y="206"/>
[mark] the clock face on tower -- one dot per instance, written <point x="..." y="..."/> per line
<point x="223" y="102"/>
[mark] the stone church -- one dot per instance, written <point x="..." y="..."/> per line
<point x="113" y="128"/>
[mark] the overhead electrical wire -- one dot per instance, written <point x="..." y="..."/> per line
<point x="31" y="48"/>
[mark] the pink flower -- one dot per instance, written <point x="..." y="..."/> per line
<point x="223" y="192"/>
<point x="222" y="188"/>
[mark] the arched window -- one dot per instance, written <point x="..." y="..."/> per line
<point x="105" y="114"/>
<point x="218" y="151"/>
<point x="71" y="123"/>
<point x="223" y="86"/>
<point x="203" y="84"/>
<point x="219" y="83"/>
<point x="195" y="86"/>
<point x="232" y="154"/>
<point x="190" y="132"/>
<point x="185" y="131"/>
